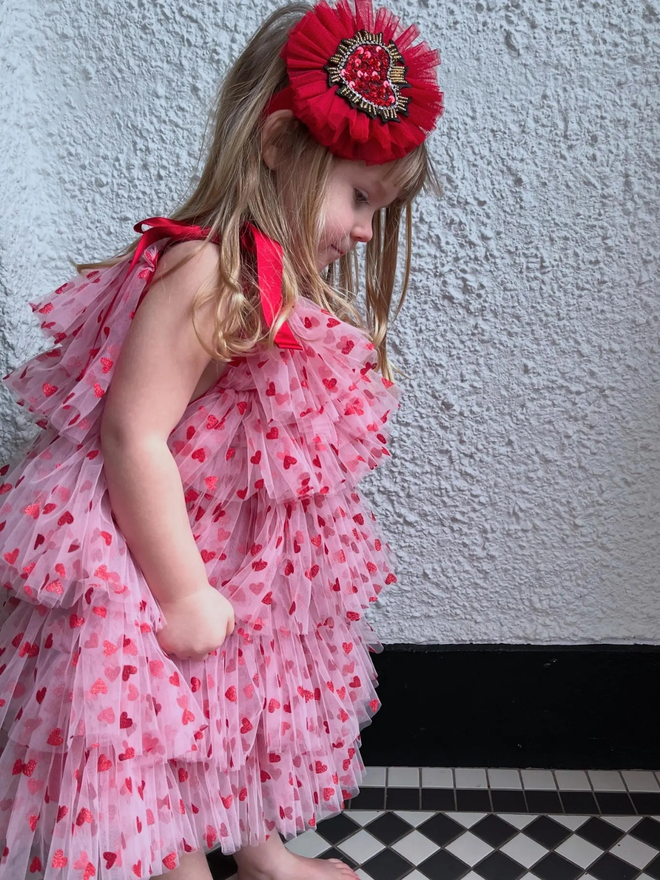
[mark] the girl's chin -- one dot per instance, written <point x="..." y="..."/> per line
<point x="326" y="257"/>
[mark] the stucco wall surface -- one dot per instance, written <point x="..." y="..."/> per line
<point x="523" y="499"/>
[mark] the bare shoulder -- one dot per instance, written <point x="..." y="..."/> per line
<point x="191" y="263"/>
<point x="162" y="359"/>
<point x="199" y="255"/>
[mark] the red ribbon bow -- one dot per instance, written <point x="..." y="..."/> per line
<point x="269" y="264"/>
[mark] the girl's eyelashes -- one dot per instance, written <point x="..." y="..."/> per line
<point x="360" y="196"/>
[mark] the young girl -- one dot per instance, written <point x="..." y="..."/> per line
<point x="185" y="558"/>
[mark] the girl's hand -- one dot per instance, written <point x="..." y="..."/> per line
<point x="195" y="624"/>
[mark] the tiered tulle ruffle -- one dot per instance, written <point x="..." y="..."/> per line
<point x="148" y="754"/>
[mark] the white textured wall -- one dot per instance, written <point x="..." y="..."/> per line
<point x="524" y="496"/>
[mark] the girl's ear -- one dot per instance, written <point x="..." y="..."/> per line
<point x="270" y="129"/>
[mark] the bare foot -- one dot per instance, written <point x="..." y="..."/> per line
<point x="273" y="861"/>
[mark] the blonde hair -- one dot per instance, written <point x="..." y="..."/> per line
<point x="236" y="186"/>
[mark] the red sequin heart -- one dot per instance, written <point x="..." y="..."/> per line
<point x="366" y="72"/>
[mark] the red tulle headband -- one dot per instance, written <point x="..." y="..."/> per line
<point x="359" y="82"/>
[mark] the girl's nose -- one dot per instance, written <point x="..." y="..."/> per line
<point x="362" y="231"/>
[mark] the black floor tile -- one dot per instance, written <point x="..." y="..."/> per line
<point x="220" y="865"/>
<point x="579" y="803"/>
<point x="338" y="828"/>
<point x="615" y="803"/>
<point x="556" y="867"/>
<point x="547" y="832"/>
<point x="475" y="800"/>
<point x="508" y="801"/>
<point x="387" y="865"/>
<point x="368" y="799"/>
<point x="402" y="799"/>
<point x="608" y="867"/>
<point x="648" y="831"/>
<point x="543" y="802"/>
<point x="600" y="833"/>
<point x="498" y="866"/>
<point x="494" y="830"/>
<point x="647" y="803"/>
<point x="441" y="829"/>
<point x="389" y="828"/>
<point x="443" y="866"/>
<point x="438" y="799"/>
<point x="653" y="869"/>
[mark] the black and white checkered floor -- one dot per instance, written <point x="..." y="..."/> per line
<point x="434" y="823"/>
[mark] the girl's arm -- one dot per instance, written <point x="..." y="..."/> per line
<point x="160" y="366"/>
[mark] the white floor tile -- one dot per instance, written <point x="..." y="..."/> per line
<point x="415" y="847"/>
<point x="467" y="820"/>
<point x="470" y="777"/>
<point x="363" y="817"/>
<point x="403" y="777"/>
<point x="469" y="848"/>
<point x="634" y="851"/>
<point x="414" y="817"/>
<point x="415" y="875"/>
<point x="579" y="851"/>
<point x="308" y="844"/>
<point x="606" y="780"/>
<point x="374" y="777"/>
<point x="363" y="875"/>
<point x="524" y="850"/>
<point x="504" y="778"/>
<point x="361" y="847"/>
<point x="640" y="780"/>
<point x="437" y="777"/>
<point x="625" y="823"/>
<point x="572" y="780"/>
<point x="518" y="820"/>
<point x="572" y="822"/>
<point x="539" y="780"/>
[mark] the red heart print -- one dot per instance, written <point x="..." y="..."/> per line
<point x="170" y="861"/>
<point x="55" y="737"/>
<point x="59" y="859"/>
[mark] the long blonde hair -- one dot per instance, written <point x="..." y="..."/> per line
<point x="236" y="186"/>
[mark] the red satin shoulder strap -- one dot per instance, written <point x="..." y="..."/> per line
<point x="268" y="257"/>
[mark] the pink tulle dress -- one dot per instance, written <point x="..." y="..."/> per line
<point x="117" y="758"/>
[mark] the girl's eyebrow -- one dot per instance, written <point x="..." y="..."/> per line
<point x="385" y="193"/>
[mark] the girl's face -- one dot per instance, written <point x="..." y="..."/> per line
<point x="355" y="192"/>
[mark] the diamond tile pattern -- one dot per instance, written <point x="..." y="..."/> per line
<point x="486" y="833"/>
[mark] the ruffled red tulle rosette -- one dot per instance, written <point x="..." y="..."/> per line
<point x="360" y="83"/>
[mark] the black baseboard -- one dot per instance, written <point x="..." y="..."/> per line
<point x="564" y="707"/>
